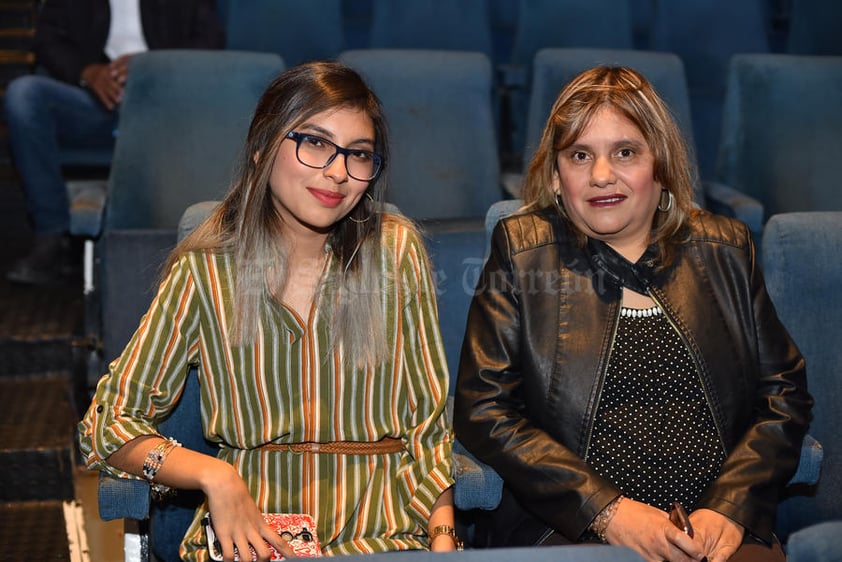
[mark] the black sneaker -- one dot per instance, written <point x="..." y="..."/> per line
<point x="47" y="262"/>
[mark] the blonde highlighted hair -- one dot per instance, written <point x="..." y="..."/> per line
<point x="629" y="93"/>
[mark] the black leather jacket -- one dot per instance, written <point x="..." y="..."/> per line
<point x="538" y="340"/>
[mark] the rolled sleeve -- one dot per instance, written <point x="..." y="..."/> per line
<point x="146" y="381"/>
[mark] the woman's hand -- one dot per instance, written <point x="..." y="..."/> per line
<point x="237" y="522"/>
<point x="649" y="532"/>
<point x="720" y="536"/>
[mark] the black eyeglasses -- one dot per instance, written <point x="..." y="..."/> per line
<point x="316" y="152"/>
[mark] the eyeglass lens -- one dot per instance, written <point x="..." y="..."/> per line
<point x="316" y="152"/>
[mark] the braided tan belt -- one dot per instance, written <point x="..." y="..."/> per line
<point x="385" y="445"/>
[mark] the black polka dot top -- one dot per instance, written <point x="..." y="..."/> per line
<point x="654" y="436"/>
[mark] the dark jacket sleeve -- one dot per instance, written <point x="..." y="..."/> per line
<point x="71" y="34"/>
<point x="549" y="479"/>
<point x="766" y="455"/>
<point x="185" y="24"/>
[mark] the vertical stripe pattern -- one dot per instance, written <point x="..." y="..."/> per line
<point x="287" y="388"/>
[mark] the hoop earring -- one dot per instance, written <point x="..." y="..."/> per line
<point x="558" y="206"/>
<point x="670" y="200"/>
<point x="371" y="214"/>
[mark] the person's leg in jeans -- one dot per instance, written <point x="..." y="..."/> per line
<point x="44" y="115"/>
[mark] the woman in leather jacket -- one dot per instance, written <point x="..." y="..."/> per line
<point x="621" y="351"/>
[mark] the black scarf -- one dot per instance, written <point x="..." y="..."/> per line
<point x="637" y="276"/>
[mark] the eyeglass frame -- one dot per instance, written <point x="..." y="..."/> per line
<point x="377" y="159"/>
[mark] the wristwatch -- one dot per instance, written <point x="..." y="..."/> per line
<point x="449" y="531"/>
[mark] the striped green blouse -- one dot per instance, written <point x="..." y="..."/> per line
<point x="287" y="388"/>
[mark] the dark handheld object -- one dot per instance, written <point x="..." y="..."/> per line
<point x="679" y="518"/>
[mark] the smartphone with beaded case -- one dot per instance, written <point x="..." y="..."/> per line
<point x="298" y="529"/>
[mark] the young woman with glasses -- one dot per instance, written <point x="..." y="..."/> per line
<point x="311" y="316"/>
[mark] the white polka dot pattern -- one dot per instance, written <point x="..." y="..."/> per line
<point x="654" y="436"/>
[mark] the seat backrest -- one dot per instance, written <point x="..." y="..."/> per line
<point x="169" y="520"/>
<point x="183" y="121"/>
<point x="781" y="140"/>
<point x="297" y="31"/>
<point x="431" y="24"/>
<point x="603" y="24"/>
<point x="814" y="27"/>
<point x="802" y="270"/>
<point x="546" y="24"/>
<point x="438" y="105"/>
<point x="497" y="211"/>
<point x="457" y="257"/>
<point x="553" y="68"/>
<point x="705" y="34"/>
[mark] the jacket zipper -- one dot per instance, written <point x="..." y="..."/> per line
<point x="592" y="420"/>
<point x="697" y="365"/>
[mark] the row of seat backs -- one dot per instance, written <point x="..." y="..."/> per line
<point x="185" y="115"/>
<point x="703" y="33"/>
<point x="316" y="29"/>
<point x="512" y="31"/>
<point x="183" y="122"/>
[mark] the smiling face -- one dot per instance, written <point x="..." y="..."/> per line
<point x="607" y="185"/>
<point x="311" y="200"/>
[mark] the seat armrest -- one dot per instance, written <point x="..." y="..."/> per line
<point x="87" y="206"/>
<point x="725" y="200"/>
<point x="512" y="183"/>
<point x="122" y="498"/>
<point x="810" y="463"/>
<point x="478" y="486"/>
<point x="194" y="215"/>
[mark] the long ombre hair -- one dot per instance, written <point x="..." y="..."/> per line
<point x="247" y="225"/>
<point x="628" y="92"/>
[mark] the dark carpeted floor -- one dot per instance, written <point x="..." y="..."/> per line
<point x="37" y="324"/>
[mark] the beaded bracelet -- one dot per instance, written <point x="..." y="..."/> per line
<point x="154" y="459"/>
<point x="604" y="517"/>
